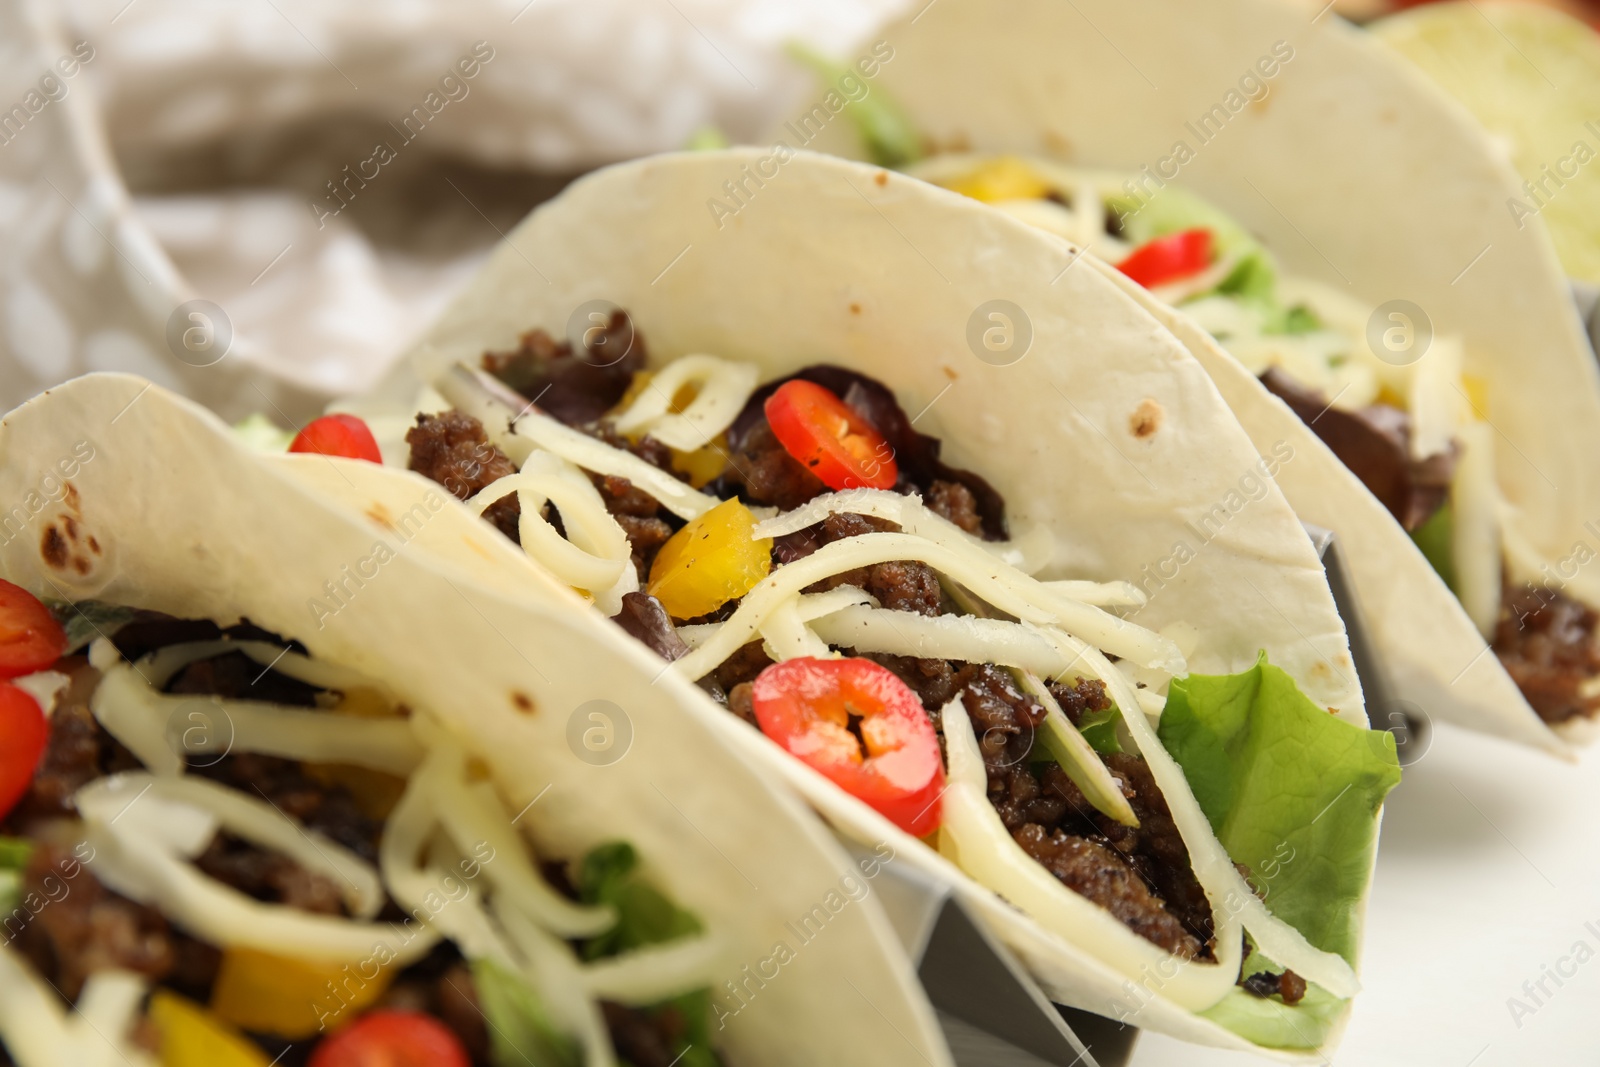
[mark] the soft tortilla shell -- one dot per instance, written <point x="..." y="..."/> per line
<point x="1354" y="170"/>
<point x="170" y="513"/>
<point x="832" y="261"/>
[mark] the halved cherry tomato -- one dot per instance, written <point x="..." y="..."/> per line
<point x="338" y="435"/>
<point x="24" y="732"/>
<point x="862" y="728"/>
<point x="392" y="1039"/>
<point x="823" y="432"/>
<point x="1166" y="259"/>
<point x="30" y="637"/>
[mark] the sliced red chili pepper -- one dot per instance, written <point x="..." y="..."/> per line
<point x="392" y="1039"/>
<point x="862" y="728"/>
<point x="338" y="435"/>
<point x="1166" y="259"/>
<point x="829" y="437"/>
<point x="30" y="637"/>
<point x="24" y="732"/>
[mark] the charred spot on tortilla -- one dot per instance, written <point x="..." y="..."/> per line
<point x="1146" y="419"/>
<point x="53" y="547"/>
<point x="70" y="495"/>
<point x="380" y="515"/>
<point x="949" y="372"/>
<point x="855" y="308"/>
<point x="881" y="178"/>
<point x="523" y="702"/>
<point x="94" y="545"/>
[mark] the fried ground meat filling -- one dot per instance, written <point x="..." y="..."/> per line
<point x="1143" y="876"/>
<point x="1375" y="443"/>
<point x="575" y="387"/>
<point x="1546" y="642"/>
<point x="762" y="472"/>
<point x="83" y="926"/>
<point x="1288" y="985"/>
<point x="452" y="449"/>
<point x="639" y="514"/>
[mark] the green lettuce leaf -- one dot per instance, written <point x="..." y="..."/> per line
<point x="14" y="855"/>
<point x="1271" y="1023"/>
<point x="85" y="620"/>
<point x="1296" y="320"/>
<point x="645" y="916"/>
<point x="1099" y="728"/>
<point x="521" y="1033"/>
<point x="1173" y="209"/>
<point x="886" y="131"/>
<point x="1436" y="539"/>
<point x="259" y="432"/>
<point x="1253" y="280"/>
<point x="707" y="139"/>
<point x="1292" y="791"/>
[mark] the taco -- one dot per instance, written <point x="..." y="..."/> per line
<point x="1082" y="648"/>
<point x="305" y="791"/>
<point x="1426" y="336"/>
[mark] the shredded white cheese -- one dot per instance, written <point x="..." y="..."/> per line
<point x="956" y="637"/>
<point x="973" y="835"/>
<point x="44" y="687"/>
<point x="1476" y="530"/>
<point x="1005" y="587"/>
<point x="438" y="797"/>
<point x="1076" y="756"/>
<point x="160" y="728"/>
<point x="139" y="864"/>
<point x="595" y="555"/>
<point x="1117" y="594"/>
<point x="653" y="973"/>
<point x="534" y="429"/>
<point x="722" y="386"/>
<point x="557" y="979"/>
<point x="908" y="512"/>
<point x="38" y="1032"/>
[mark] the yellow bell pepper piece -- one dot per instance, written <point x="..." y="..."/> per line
<point x="636" y="386"/>
<point x="193" y="1037"/>
<point x="290" y="998"/>
<point x="704" y="463"/>
<point x="712" y="560"/>
<point x="1006" y="178"/>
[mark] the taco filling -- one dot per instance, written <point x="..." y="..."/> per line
<point x="225" y="853"/>
<point x="802" y="551"/>
<point x="1414" y="430"/>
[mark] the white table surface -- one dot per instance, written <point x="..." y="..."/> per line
<point x="1488" y="871"/>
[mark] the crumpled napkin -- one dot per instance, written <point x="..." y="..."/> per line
<point x="316" y="177"/>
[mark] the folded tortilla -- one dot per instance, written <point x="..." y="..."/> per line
<point x="1103" y="434"/>
<point x="138" y="498"/>
<point x="1354" y="173"/>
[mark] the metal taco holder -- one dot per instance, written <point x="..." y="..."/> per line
<point x="1385" y="710"/>
<point x="981" y="992"/>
